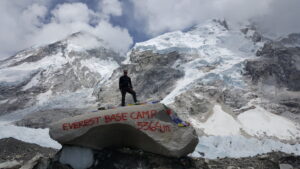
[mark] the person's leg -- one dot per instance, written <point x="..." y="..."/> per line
<point x="132" y="92"/>
<point x="123" y="92"/>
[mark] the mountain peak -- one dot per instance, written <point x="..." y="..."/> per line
<point x="61" y="70"/>
<point x="80" y="41"/>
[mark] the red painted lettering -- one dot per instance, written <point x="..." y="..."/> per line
<point x="145" y="114"/>
<point x="153" y="126"/>
<point x="142" y="115"/>
<point x="80" y="124"/>
<point x="124" y="116"/>
<point x="153" y="113"/>
<point x="76" y="125"/>
<point x="65" y="126"/>
<point x="139" y="115"/>
<point x="133" y="115"/>
<point x="115" y="117"/>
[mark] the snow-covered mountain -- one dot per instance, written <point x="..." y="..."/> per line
<point x="210" y="75"/>
<point x="43" y="84"/>
<point x="201" y="74"/>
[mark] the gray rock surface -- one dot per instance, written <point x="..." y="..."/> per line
<point x="276" y="74"/>
<point x="292" y="40"/>
<point x="285" y="166"/>
<point x="277" y="65"/>
<point x="147" y="127"/>
<point x="43" y="118"/>
<point x="152" y="75"/>
<point x="15" y="154"/>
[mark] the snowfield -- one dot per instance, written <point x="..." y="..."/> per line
<point x="252" y="133"/>
<point x="237" y="146"/>
<point x="30" y="135"/>
<point x="256" y="122"/>
<point x="261" y="123"/>
<point x="216" y="54"/>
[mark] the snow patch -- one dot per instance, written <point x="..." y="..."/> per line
<point x="44" y="97"/>
<point x="3" y="101"/>
<point x="79" y="99"/>
<point x="30" y="135"/>
<point x="259" y="122"/>
<point x="255" y="122"/>
<point x="238" y="146"/>
<point x="24" y="71"/>
<point x="263" y="132"/>
<point x="33" y="82"/>
<point x="203" y="34"/>
<point x="11" y="76"/>
<point x="219" y="123"/>
<point x="104" y="67"/>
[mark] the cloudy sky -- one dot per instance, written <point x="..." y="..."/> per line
<point x="26" y="23"/>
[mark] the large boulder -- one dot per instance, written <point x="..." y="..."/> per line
<point x="153" y="128"/>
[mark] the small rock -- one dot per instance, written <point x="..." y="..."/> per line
<point x="285" y="166"/>
<point x="10" y="164"/>
<point x="233" y="167"/>
<point x="31" y="163"/>
<point x="18" y="156"/>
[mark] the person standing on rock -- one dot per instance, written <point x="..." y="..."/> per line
<point x="126" y="86"/>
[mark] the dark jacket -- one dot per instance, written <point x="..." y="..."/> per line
<point x="124" y="82"/>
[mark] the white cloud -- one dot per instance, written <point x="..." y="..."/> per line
<point x="167" y="15"/>
<point x="18" y="19"/>
<point x="282" y="17"/>
<point x="23" y="24"/>
<point x="31" y="22"/>
<point x="118" y="37"/>
<point x="111" y="7"/>
<point x="71" y="18"/>
<point x="73" y="12"/>
<point x="32" y="16"/>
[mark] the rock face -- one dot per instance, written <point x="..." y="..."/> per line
<point x="278" y="65"/>
<point x="153" y="77"/>
<point x="15" y="153"/>
<point x="276" y="72"/>
<point x="147" y="127"/>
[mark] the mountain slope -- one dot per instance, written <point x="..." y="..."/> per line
<point x="44" y="84"/>
<point x="201" y="74"/>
